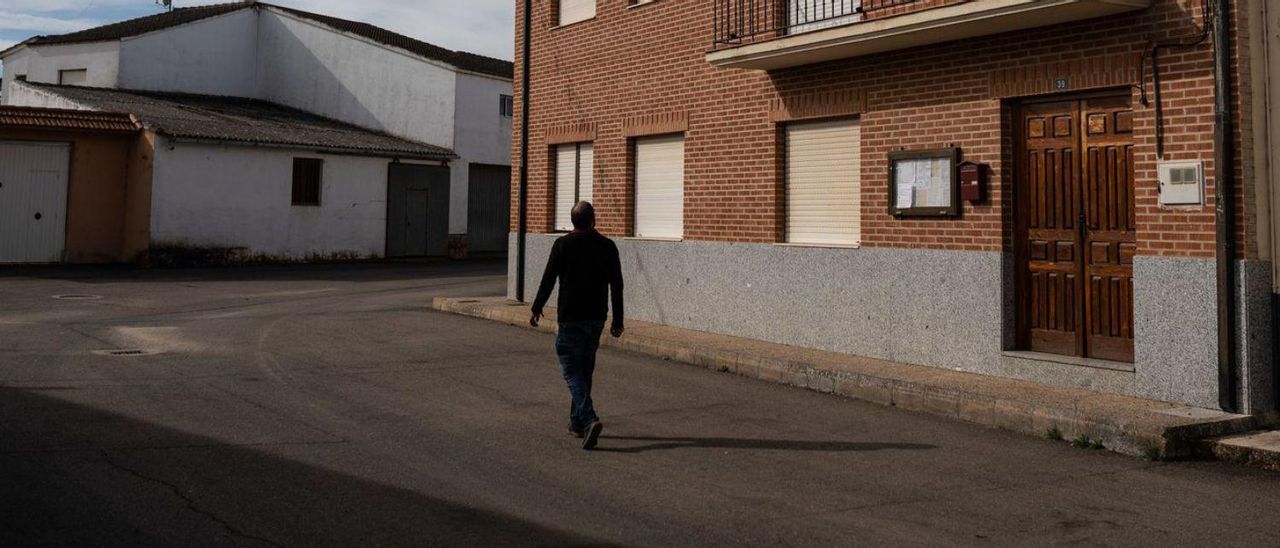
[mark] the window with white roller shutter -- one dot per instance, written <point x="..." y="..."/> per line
<point x="572" y="11"/>
<point x="823" y="185"/>
<point x="575" y="163"/>
<point x="659" y="187"/>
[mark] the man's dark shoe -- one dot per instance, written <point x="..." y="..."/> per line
<point x="575" y="433"/>
<point x="592" y="435"/>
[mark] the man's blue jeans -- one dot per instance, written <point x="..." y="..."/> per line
<point x="576" y="346"/>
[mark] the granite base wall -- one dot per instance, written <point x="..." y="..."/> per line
<point x="947" y="309"/>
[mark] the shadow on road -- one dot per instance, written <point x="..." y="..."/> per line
<point x="367" y="271"/>
<point x="72" y="475"/>
<point x="661" y="444"/>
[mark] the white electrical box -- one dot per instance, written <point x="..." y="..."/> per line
<point x="1181" y="183"/>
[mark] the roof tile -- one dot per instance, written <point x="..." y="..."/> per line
<point x="59" y="119"/>
<point x="240" y="120"/>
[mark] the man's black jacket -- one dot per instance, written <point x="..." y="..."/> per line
<point x="586" y="263"/>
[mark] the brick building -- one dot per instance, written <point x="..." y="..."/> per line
<point x="795" y="171"/>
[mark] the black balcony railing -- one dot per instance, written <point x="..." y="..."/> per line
<point x="739" y="22"/>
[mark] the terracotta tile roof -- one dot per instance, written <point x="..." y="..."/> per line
<point x="59" y="119"/>
<point x="179" y="16"/>
<point x="248" y="121"/>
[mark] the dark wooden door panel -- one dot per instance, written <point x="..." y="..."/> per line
<point x="1049" y="172"/>
<point x="1110" y="235"/>
<point x="1075" y="230"/>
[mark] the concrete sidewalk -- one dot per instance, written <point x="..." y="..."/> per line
<point x="1126" y="425"/>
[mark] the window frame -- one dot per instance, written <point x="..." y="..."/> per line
<point x="559" y="14"/>
<point x="577" y="182"/>
<point x="634" y="146"/>
<point x="506" y="106"/>
<point x="63" y="72"/>
<point x="785" y="151"/>
<point x="300" y="199"/>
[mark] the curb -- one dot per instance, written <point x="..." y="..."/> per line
<point x="1155" y="430"/>
<point x="1257" y="449"/>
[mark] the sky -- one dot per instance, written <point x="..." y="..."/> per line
<point x="481" y="26"/>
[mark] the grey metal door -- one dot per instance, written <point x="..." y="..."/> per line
<point x="415" y="223"/>
<point x="488" y="208"/>
<point x="417" y="211"/>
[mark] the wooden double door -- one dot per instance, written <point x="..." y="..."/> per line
<point x="1074" y="236"/>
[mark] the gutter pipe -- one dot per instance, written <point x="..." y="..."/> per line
<point x="523" y="197"/>
<point x="1224" y="205"/>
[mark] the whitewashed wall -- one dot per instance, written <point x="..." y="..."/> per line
<point x="481" y="135"/>
<point x="215" y="56"/>
<point x="306" y="65"/>
<point x="15" y="64"/>
<point x="101" y="59"/>
<point x="21" y="95"/>
<point x="228" y="196"/>
<point x="41" y="64"/>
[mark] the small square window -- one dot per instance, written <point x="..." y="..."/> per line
<point x="306" y="181"/>
<point x="506" y="106"/>
<point x="573" y="11"/>
<point x="75" y="77"/>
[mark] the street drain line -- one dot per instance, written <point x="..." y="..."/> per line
<point x="77" y="297"/>
<point x="124" y="352"/>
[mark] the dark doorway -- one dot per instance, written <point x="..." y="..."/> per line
<point x="488" y="208"/>
<point x="417" y="211"/>
<point x="1075" y="235"/>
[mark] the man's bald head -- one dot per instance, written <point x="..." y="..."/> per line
<point x="583" y="216"/>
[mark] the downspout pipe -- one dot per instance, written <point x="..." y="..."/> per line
<point x="523" y="196"/>
<point x="1224" y="205"/>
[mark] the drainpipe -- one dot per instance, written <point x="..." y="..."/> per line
<point x="523" y="207"/>
<point x="1224" y="205"/>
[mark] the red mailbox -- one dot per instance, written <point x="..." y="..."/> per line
<point x="973" y="181"/>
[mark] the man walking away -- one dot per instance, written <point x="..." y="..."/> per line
<point x="586" y="263"/>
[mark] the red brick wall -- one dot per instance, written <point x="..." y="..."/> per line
<point x="650" y="60"/>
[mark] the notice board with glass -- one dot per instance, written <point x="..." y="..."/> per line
<point x="924" y="183"/>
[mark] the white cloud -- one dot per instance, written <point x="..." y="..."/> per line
<point x="42" y="25"/>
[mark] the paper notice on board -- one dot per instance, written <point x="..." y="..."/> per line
<point x="906" y="184"/>
<point x="906" y="196"/>
<point x="934" y="181"/>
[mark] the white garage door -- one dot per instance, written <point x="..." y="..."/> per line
<point x="824" y="198"/>
<point x="33" y="201"/>
<point x="660" y="187"/>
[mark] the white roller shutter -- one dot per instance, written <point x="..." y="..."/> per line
<point x="660" y="187"/>
<point x="572" y="11"/>
<point x="574" y="172"/>
<point x="33" y="201"/>
<point x="823" y="183"/>
<point x="566" y="176"/>
<point x="79" y="77"/>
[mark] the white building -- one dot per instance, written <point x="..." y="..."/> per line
<point x="332" y="68"/>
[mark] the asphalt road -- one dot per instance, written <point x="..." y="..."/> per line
<point x="329" y="406"/>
